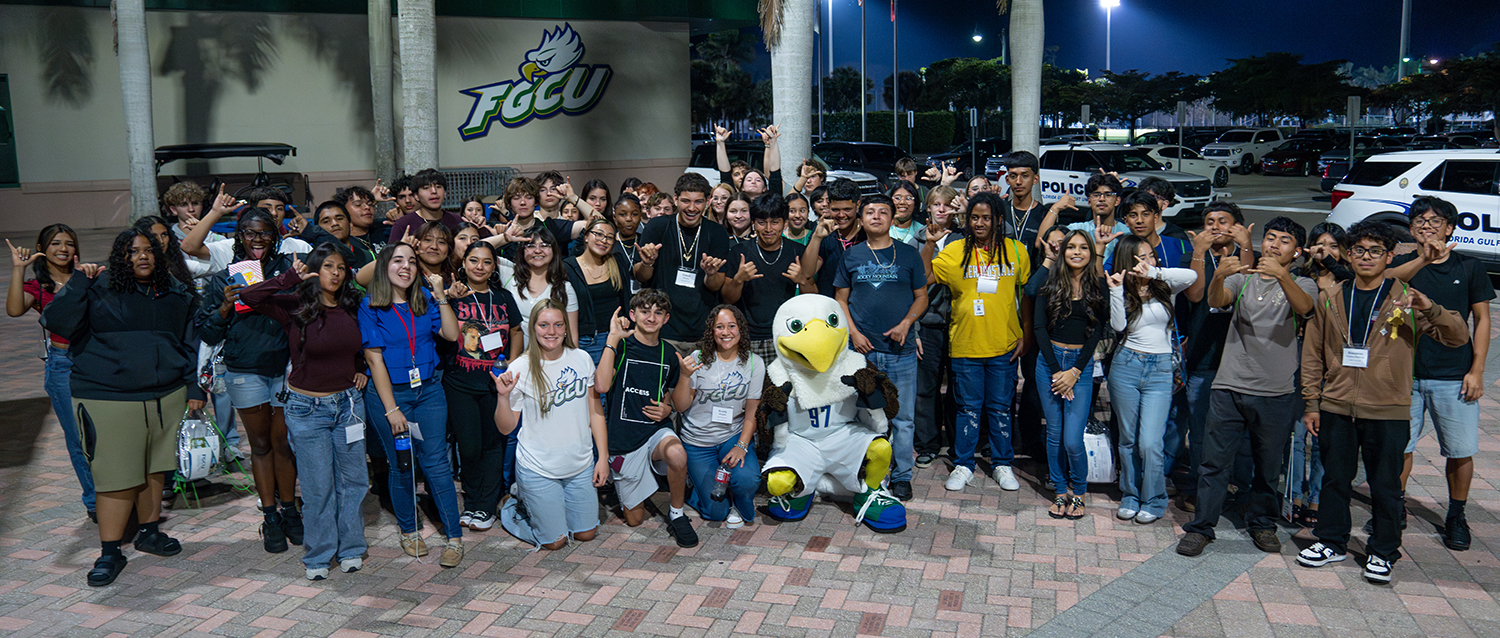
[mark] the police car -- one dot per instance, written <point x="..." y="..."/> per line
<point x="1382" y="187"/>
<point x="1066" y="169"/>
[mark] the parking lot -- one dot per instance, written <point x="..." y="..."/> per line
<point x="1263" y="198"/>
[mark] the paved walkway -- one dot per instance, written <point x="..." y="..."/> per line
<point x="984" y="562"/>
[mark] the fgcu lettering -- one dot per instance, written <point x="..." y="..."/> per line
<point x="552" y="82"/>
<point x="570" y="385"/>
<point x="733" y="387"/>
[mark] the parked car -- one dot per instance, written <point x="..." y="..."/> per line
<point x="1298" y="156"/>
<point x="1364" y="146"/>
<point x="1071" y="138"/>
<point x="1239" y="148"/>
<point x="960" y="156"/>
<point x="1328" y="135"/>
<point x="1382" y="187"/>
<point x="1066" y="169"/>
<point x="866" y="157"/>
<point x="705" y="163"/>
<point x="1462" y="141"/>
<point x="1181" y="158"/>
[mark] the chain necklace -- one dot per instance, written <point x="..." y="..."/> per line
<point x="689" y="251"/>
<point x="769" y="262"/>
<point x="874" y="254"/>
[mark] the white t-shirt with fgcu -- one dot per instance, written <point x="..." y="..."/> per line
<point x="558" y="444"/>
<point x="722" y="387"/>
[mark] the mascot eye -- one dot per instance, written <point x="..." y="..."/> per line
<point x="833" y="320"/>
<point x="794" y="325"/>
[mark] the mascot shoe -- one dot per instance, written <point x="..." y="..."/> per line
<point x="879" y="511"/>
<point x="790" y="509"/>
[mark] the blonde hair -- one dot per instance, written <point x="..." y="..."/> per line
<point x="533" y="352"/>
<point x="610" y="265"/>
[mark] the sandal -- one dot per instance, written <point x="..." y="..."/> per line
<point x="1075" y="507"/>
<point x="1309" y="517"/>
<point x="1060" y="501"/>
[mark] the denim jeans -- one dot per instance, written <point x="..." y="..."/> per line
<point x="428" y="407"/>
<point x="985" y="388"/>
<point x="1307" y="480"/>
<point x="58" y="370"/>
<point x="703" y="463"/>
<point x="901" y="369"/>
<point x="934" y="410"/>
<point x="332" y="473"/>
<point x="1189" y="414"/>
<point x="225" y="418"/>
<point x="1067" y="462"/>
<point x="546" y="510"/>
<point x="1140" y="390"/>
<point x="593" y="344"/>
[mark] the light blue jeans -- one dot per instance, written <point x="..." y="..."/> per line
<point x="1067" y="461"/>
<point x="703" y="463"/>
<point x="427" y="405"/>
<point x="55" y="376"/>
<point x="984" y="388"/>
<point x="332" y="473"/>
<point x="553" y="508"/>
<point x="902" y="372"/>
<point x="1140" y="390"/>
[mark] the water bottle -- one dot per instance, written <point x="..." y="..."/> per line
<point x="721" y="483"/>
<point x="403" y="451"/>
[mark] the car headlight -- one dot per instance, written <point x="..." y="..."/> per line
<point x="1238" y="151"/>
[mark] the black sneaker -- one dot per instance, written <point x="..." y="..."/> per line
<point x="901" y="490"/>
<point x="925" y="459"/>
<point x="1266" y="541"/>
<point x="106" y="569"/>
<point x="681" y="530"/>
<point x="1193" y="543"/>
<point x="1456" y="533"/>
<point x="291" y="524"/>
<point x="272" y="534"/>
<point x="159" y="544"/>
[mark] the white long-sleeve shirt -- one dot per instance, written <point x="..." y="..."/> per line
<point x="1149" y="333"/>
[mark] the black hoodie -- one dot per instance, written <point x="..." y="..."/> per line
<point x="253" y="342"/>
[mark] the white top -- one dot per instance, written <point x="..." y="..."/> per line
<point x="1148" y="333"/>
<point x="221" y="253"/>
<point x="727" y="386"/>
<point x="528" y="301"/>
<point x="558" y="444"/>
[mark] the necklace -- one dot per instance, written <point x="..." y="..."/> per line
<point x="631" y="248"/>
<point x="874" y="254"/>
<point x="1021" y="228"/>
<point x="689" y="251"/>
<point x="772" y="261"/>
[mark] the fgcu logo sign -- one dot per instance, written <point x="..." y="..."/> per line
<point x="552" y="82"/>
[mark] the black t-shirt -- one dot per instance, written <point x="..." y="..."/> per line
<point x="481" y="314"/>
<point x="643" y="374"/>
<point x="1024" y="225"/>
<point x="831" y="250"/>
<point x="683" y="249"/>
<point x="1361" y="306"/>
<point x="1204" y="327"/>
<point x="1456" y="284"/>
<point x="760" y="298"/>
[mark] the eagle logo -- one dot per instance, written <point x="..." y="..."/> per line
<point x="553" y="80"/>
<point x="560" y="49"/>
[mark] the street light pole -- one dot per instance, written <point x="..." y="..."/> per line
<point x="895" y="80"/>
<point x="1405" y="39"/>
<point x="1109" y="6"/>
<point x="863" y="92"/>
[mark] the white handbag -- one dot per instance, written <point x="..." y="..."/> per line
<point x="198" y="447"/>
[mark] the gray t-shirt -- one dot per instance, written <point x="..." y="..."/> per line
<point x="1260" y="354"/>
<point x="725" y="385"/>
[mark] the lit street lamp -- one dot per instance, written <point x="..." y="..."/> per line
<point x="1109" y="6"/>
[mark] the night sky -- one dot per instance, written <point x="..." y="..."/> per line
<point x="1192" y="36"/>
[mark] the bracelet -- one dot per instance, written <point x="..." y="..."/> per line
<point x="742" y="446"/>
<point x="388" y="412"/>
<point x="442" y="302"/>
<point x="609" y="347"/>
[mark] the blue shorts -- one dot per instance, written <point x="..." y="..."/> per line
<point x="247" y="389"/>
<point x="1456" y="420"/>
<point x="553" y="508"/>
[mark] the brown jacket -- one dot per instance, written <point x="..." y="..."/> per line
<point x="1383" y="390"/>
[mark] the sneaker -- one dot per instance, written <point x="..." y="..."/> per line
<point x="351" y="565"/>
<point x="958" y="479"/>
<point x="465" y="518"/>
<point x="789" y="509"/>
<point x="159" y="544"/>
<point x="453" y="553"/>
<point x="1193" y="544"/>
<point x="1456" y="533"/>
<point x="482" y="521"/>
<point x="320" y="573"/>
<point x="879" y="511"/>
<point x="291" y="524"/>
<point x="1145" y="518"/>
<point x="1266" y="541"/>
<point x="681" y="530"/>
<point x="106" y="569"/>
<point x="272" y="534"/>
<point x="1377" y="570"/>
<point x="1318" y="555"/>
<point x="925" y="460"/>
<point x="1006" y="477"/>
<point x="413" y="544"/>
<point x="733" y="521"/>
<point x="901" y="490"/>
<point x="1126" y="514"/>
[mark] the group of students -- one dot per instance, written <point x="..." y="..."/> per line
<point x="628" y="347"/>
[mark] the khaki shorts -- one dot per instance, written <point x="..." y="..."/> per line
<point x="126" y="440"/>
<point x="632" y="471"/>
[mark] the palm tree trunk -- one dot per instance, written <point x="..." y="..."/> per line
<point x="135" y="87"/>
<point x="1026" y="42"/>
<point x="380" y="89"/>
<point x="791" y="77"/>
<point x="417" y="26"/>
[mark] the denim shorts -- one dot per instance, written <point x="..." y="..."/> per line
<point x="1456" y="420"/>
<point x="558" y="507"/>
<point x="247" y="389"/>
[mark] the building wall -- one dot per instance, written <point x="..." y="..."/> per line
<point x="303" y="79"/>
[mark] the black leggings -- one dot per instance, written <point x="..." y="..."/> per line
<point x="481" y="447"/>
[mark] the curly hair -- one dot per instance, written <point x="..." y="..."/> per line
<point x="122" y="275"/>
<point x="250" y="216"/>
<point x="310" y="291"/>
<point x="176" y="262"/>
<point x="706" y="343"/>
<point x="997" y="230"/>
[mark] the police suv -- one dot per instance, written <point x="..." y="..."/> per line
<point x="1382" y="187"/>
<point x="1066" y="169"/>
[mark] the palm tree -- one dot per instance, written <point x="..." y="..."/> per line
<point x="135" y="86"/>
<point x="380" y="89"/>
<point x="788" y="28"/>
<point x="417" y="29"/>
<point x="1026" y="46"/>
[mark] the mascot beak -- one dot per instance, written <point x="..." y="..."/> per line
<point x="816" y="346"/>
<point x="530" y="71"/>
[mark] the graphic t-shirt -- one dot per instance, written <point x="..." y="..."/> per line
<point x="983" y="324"/>
<point x="556" y="444"/>
<point x="1456" y="284"/>
<point x="759" y="298"/>
<point x="881" y="284"/>
<point x="725" y="385"/>
<point x="480" y="315"/>
<point x="643" y="375"/>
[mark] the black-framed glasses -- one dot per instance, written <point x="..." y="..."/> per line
<point x="1105" y="195"/>
<point x="1428" y="220"/>
<point x="1361" y="251"/>
<point x="263" y="234"/>
<point x="602" y="236"/>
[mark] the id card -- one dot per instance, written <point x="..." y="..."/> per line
<point x="414" y="377"/>
<point x="492" y="341"/>
<point x="354" y="434"/>
<point x="687" y="277"/>
<point x="416" y="430"/>
<point x="723" y="415"/>
<point x="1356" y="357"/>
<point x="989" y="285"/>
<point x="978" y="307"/>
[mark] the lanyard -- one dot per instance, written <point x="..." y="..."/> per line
<point x="479" y="307"/>
<point x="411" y="333"/>
<point x="1374" y="311"/>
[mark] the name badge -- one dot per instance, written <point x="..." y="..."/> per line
<point x="354" y="434"/>
<point x="978" y="307"/>
<point x="493" y="341"/>
<point x="687" y="277"/>
<point x="414" y="377"/>
<point x="989" y="285"/>
<point x="723" y="415"/>
<point x="1356" y="357"/>
<point x="416" y="431"/>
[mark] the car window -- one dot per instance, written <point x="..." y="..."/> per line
<point x="1122" y="161"/>
<point x="1057" y="160"/>
<point x="836" y="155"/>
<point x="1463" y="176"/>
<point x="1083" y="161"/>
<point x="1265" y="136"/>
<point x="1377" y="173"/>
<point x="1190" y="154"/>
<point x="883" y="154"/>
<point x="703" y="156"/>
<point x="1235" y="137"/>
<point x="1167" y="151"/>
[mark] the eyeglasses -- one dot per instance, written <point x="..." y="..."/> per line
<point x="538" y="247"/>
<point x="601" y="236"/>
<point x="1428" y="220"/>
<point x="263" y="234"/>
<point x="1361" y="251"/>
<point x="1106" y="195"/>
<point x="903" y="198"/>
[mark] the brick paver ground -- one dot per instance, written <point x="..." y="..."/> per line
<point x="984" y="562"/>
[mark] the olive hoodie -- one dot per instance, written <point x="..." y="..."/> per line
<point x="1381" y="391"/>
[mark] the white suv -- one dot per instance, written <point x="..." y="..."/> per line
<point x="1066" y="169"/>
<point x="1243" y="148"/>
<point x="1382" y="187"/>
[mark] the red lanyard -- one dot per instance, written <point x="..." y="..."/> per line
<point x="411" y="333"/>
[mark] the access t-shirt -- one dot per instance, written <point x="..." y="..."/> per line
<point x="481" y="315"/>
<point x="1456" y="284"/>
<point x="983" y="324"/>
<point x="682" y="250"/>
<point x="760" y="298"/>
<point x="643" y="375"/>
<point x="881" y="287"/>
<point x="1261" y="356"/>
<point x="725" y="385"/>
<point x="558" y="443"/>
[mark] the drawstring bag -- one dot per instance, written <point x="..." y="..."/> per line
<point x="198" y="446"/>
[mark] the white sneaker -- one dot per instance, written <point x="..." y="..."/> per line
<point x="1006" y="477"/>
<point x="465" y="518"/>
<point x="351" y="565"/>
<point x="733" y="521"/>
<point x="958" y="479"/>
<point x="482" y="521"/>
<point x="320" y="573"/>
